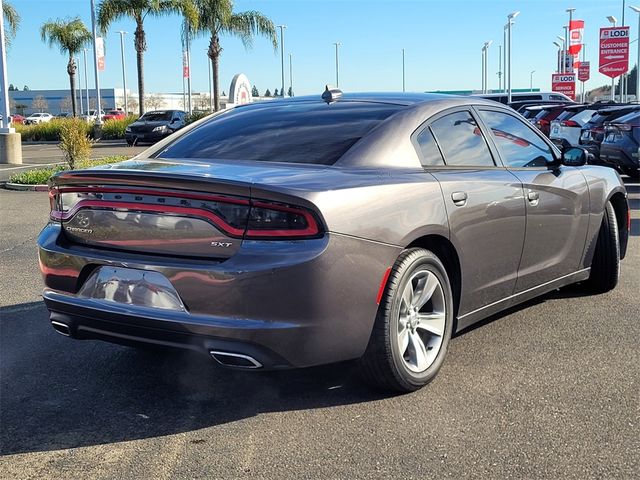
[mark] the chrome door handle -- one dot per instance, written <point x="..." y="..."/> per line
<point x="533" y="197"/>
<point x="459" y="198"/>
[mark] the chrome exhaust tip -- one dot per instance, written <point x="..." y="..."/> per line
<point x="61" y="328"/>
<point x="237" y="360"/>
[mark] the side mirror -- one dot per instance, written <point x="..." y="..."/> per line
<point x="575" y="157"/>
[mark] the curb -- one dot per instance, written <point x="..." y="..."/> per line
<point x="25" y="188"/>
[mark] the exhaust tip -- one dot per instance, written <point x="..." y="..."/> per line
<point x="61" y="328"/>
<point x="237" y="360"/>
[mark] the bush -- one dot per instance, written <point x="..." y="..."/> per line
<point x="74" y="141"/>
<point x="113" y="129"/>
<point x="40" y="176"/>
<point x="49" y="130"/>
<point x="196" y="115"/>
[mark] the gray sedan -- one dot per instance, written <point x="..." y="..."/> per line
<point x="320" y="229"/>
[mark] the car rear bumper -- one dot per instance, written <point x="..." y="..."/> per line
<point x="619" y="157"/>
<point x="151" y="137"/>
<point x="284" y="304"/>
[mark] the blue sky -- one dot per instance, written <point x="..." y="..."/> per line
<point x="442" y="40"/>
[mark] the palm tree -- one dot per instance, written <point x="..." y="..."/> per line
<point x="112" y="10"/>
<point x="70" y="36"/>
<point x="12" y="18"/>
<point x="216" y="18"/>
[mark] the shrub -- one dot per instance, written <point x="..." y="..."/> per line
<point x="113" y="129"/>
<point x="47" y="131"/>
<point x="196" y="115"/>
<point x="40" y="176"/>
<point x="74" y="141"/>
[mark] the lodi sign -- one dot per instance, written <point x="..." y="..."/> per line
<point x="584" y="71"/>
<point x="564" y="83"/>
<point x="614" y="51"/>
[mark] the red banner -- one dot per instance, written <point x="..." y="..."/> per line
<point x="185" y="64"/>
<point x="100" y="53"/>
<point x="614" y="51"/>
<point x="564" y="83"/>
<point x="576" y="29"/>
<point x="584" y="71"/>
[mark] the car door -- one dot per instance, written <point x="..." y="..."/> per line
<point x="557" y="200"/>
<point x="484" y="203"/>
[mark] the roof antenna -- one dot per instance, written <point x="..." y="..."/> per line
<point x="331" y="94"/>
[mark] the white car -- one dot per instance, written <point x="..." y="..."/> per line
<point x="91" y="115"/>
<point x="38" y="118"/>
<point x="565" y="129"/>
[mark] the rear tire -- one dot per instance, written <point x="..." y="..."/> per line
<point x="413" y="326"/>
<point x="605" y="267"/>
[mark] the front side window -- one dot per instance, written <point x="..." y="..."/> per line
<point x="519" y="146"/>
<point x="461" y="140"/>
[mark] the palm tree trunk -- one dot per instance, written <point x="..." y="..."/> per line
<point x="214" y="54"/>
<point x="71" y="70"/>
<point x="141" y="46"/>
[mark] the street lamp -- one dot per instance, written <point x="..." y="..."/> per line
<point x="337" y="44"/>
<point x="485" y="66"/>
<point x="291" y="73"/>
<point x="559" y="51"/>
<point x="613" y="20"/>
<point x="563" y="60"/>
<point x="403" y="83"/>
<point x="637" y="10"/>
<point x="531" y="80"/>
<point x="282" y="27"/>
<point x="94" y="29"/>
<point x="124" y="73"/>
<point x="567" y="33"/>
<point x="86" y="77"/>
<point x="510" y="22"/>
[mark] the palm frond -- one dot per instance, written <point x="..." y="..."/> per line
<point x="247" y="25"/>
<point x="70" y="35"/>
<point x="110" y="11"/>
<point x="12" y="17"/>
<point x="213" y="15"/>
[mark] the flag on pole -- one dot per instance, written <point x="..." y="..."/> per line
<point x="576" y="30"/>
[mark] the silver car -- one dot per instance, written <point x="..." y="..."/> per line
<point x="320" y="229"/>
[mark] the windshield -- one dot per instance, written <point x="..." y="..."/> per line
<point x="295" y="132"/>
<point x="156" y="116"/>
<point x="113" y="112"/>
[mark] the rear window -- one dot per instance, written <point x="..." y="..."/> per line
<point x="293" y="132"/>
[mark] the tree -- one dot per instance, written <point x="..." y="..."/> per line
<point x="12" y="88"/>
<point x="290" y="92"/>
<point x="66" y="104"/>
<point x="25" y="89"/>
<point x="20" y="108"/>
<point x="133" y="103"/>
<point x="254" y="92"/>
<point x="275" y="93"/>
<point x="70" y="36"/>
<point x="216" y="18"/>
<point x="154" y="102"/>
<point x="203" y="102"/>
<point x="39" y="104"/>
<point x="267" y="93"/>
<point x="112" y="10"/>
<point x="12" y="17"/>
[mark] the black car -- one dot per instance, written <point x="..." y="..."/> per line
<point x="621" y="145"/>
<point x="593" y="131"/>
<point x="154" y="126"/>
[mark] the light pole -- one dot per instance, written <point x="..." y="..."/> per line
<point x="558" y="60"/>
<point x="500" y="68"/>
<point x="86" y="77"/>
<point x="282" y="27"/>
<point x="637" y="10"/>
<point x="403" y="82"/>
<point x="124" y="73"/>
<point x="4" y="97"/>
<point x="210" y="85"/>
<point x="485" y="66"/>
<point x="531" y="80"/>
<point x="563" y="60"/>
<point x="567" y="33"/>
<point x="337" y="44"/>
<point x="504" y="59"/>
<point x="291" y="73"/>
<point x="95" y="63"/>
<point x="510" y="22"/>
<point x="613" y="20"/>
<point x="79" y="84"/>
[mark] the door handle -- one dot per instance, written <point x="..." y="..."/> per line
<point x="533" y="197"/>
<point x="459" y="198"/>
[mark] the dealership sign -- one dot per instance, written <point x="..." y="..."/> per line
<point x="584" y="72"/>
<point x="614" y="51"/>
<point x="240" y="91"/>
<point x="185" y="64"/>
<point x="564" y="83"/>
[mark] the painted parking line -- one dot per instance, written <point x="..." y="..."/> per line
<point x="31" y="165"/>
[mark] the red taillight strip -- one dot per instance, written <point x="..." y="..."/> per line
<point x="383" y="284"/>
<point x="140" y="207"/>
<point x="312" y="225"/>
<point x="158" y="193"/>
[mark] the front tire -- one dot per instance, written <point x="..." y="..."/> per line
<point x="605" y="267"/>
<point x="413" y="325"/>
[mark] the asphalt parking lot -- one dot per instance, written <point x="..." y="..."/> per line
<point x="46" y="154"/>
<point x="547" y="390"/>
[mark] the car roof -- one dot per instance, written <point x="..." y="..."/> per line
<point x="395" y="98"/>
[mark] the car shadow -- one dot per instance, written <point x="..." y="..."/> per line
<point x="59" y="393"/>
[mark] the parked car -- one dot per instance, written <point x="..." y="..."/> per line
<point x="621" y="145"/>
<point x="546" y="113"/>
<point x="17" y="119"/>
<point x="92" y="115"/>
<point x="565" y="130"/>
<point x="525" y="96"/>
<point x="592" y="133"/>
<point x="520" y="106"/>
<point x="64" y="115"/>
<point x="154" y="126"/>
<point x="117" y="114"/>
<point x="41" y="117"/>
<point x="324" y="229"/>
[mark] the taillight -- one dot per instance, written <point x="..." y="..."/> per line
<point x="569" y="123"/>
<point x="276" y="220"/>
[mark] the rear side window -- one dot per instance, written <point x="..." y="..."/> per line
<point x="519" y="146"/>
<point x="294" y="132"/>
<point x="461" y="140"/>
<point x="430" y="154"/>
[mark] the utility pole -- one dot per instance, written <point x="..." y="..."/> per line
<point x="337" y="44"/>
